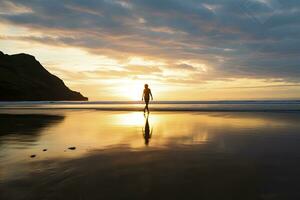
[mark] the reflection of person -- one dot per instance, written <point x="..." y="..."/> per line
<point x="147" y="134"/>
<point x="146" y="97"/>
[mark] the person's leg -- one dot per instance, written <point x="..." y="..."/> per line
<point x="146" y="105"/>
<point x="147" y="102"/>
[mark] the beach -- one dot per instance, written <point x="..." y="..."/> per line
<point x="87" y="152"/>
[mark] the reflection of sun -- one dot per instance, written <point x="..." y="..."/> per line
<point x="130" y="119"/>
<point x="134" y="119"/>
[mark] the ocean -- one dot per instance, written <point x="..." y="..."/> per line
<point x="245" y="106"/>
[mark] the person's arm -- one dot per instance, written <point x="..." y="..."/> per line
<point x="151" y="95"/>
<point x="143" y="95"/>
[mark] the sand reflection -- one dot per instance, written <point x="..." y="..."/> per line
<point x="100" y="130"/>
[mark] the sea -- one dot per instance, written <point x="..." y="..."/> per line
<point x="230" y="106"/>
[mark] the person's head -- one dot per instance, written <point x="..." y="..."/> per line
<point x="146" y="85"/>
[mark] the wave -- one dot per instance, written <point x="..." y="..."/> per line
<point x="222" y="106"/>
<point x="156" y="102"/>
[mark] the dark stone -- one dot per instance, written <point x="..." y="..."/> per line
<point x="32" y="156"/>
<point x="72" y="148"/>
<point x="44" y="149"/>
<point x="23" y="78"/>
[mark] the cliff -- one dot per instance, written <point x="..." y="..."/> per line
<point x="23" y="78"/>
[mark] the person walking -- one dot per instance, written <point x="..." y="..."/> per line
<point x="146" y="97"/>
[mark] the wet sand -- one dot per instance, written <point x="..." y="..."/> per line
<point x="189" y="155"/>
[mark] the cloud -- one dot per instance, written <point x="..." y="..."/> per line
<point x="7" y="7"/>
<point x="234" y="39"/>
<point x="184" y="67"/>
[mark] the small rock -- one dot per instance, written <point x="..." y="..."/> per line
<point x="72" y="148"/>
<point x="32" y="156"/>
<point x="44" y="149"/>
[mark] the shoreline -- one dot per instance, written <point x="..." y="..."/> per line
<point x="163" y="109"/>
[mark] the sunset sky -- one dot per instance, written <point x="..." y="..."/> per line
<point x="184" y="49"/>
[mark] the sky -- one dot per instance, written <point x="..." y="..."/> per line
<point x="185" y="50"/>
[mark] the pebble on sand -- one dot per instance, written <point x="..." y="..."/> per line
<point x="72" y="148"/>
<point x="32" y="156"/>
<point x="44" y="149"/>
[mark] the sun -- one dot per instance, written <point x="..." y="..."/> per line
<point x="131" y="90"/>
<point x="135" y="92"/>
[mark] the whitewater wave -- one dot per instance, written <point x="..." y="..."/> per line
<point x="247" y="106"/>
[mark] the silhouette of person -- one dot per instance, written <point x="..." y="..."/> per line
<point x="146" y="97"/>
<point x="147" y="134"/>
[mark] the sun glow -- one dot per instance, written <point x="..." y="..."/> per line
<point x="135" y="60"/>
<point x="131" y="90"/>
